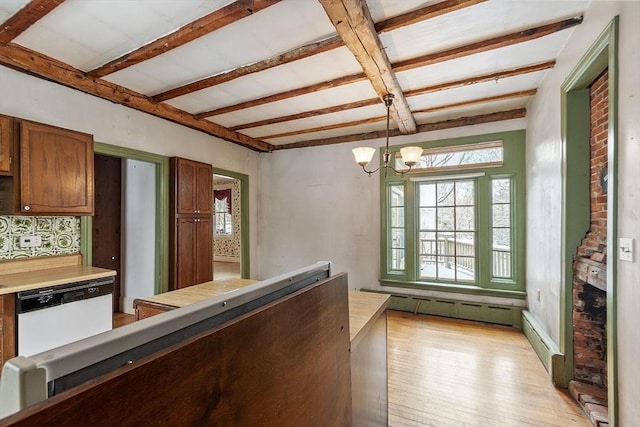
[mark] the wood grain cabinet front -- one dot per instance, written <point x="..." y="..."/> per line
<point x="6" y="144"/>
<point x="7" y="328"/>
<point x="191" y="238"/>
<point x="194" y="186"/>
<point x="52" y="173"/>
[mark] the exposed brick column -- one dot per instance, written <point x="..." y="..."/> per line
<point x="590" y="311"/>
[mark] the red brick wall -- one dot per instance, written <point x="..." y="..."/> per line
<point x="596" y="239"/>
<point x="589" y="312"/>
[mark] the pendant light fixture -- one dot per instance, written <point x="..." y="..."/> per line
<point x="410" y="155"/>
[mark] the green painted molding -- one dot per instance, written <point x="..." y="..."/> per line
<point x="545" y="348"/>
<point x="245" y="259"/>
<point x="162" y="210"/>
<point x="513" y="168"/>
<point x="602" y="54"/>
<point x="453" y="288"/>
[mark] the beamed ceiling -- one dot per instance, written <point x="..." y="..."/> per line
<point x="281" y="74"/>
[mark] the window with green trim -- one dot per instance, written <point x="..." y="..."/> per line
<point x="457" y="221"/>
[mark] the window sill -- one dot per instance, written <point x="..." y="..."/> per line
<point x="460" y="289"/>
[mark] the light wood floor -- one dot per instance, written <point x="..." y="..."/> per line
<point x="446" y="372"/>
<point x="226" y="270"/>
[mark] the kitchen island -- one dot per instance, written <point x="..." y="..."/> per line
<point x="368" y="335"/>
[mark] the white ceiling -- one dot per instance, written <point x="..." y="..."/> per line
<point x="89" y="33"/>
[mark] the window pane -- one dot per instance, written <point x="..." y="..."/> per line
<point x="502" y="264"/>
<point x="465" y="218"/>
<point x="428" y="267"/>
<point x="445" y="194"/>
<point x="501" y="191"/>
<point x="397" y="195"/>
<point x="446" y="268"/>
<point x="397" y="259"/>
<point x="397" y="238"/>
<point x="445" y="218"/>
<point x="485" y="154"/>
<point x="428" y="243"/>
<point x="397" y="217"/>
<point x="502" y="239"/>
<point x="427" y="218"/>
<point x="465" y="194"/>
<point x="501" y="215"/>
<point x="427" y="195"/>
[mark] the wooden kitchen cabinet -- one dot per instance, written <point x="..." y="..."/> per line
<point x="194" y="186"/>
<point x="194" y="251"/>
<point x="52" y="175"/>
<point x="7" y="327"/>
<point x="191" y="237"/>
<point x="6" y="144"/>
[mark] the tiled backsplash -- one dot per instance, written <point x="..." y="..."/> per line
<point x="60" y="235"/>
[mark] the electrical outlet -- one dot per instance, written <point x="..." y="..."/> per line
<point x="30" y="241"/>
<point x="626" y="249"/>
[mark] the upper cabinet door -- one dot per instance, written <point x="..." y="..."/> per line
<point x="194" y="187"/>
<point x="56" y="170"/>
<point x="204" y="189"/>
<point x="185" y="183"/>
<point x="6" y="144"/>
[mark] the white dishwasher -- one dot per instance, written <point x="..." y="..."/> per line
<point x="57" y="315"/>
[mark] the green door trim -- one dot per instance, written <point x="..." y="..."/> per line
<point x="602" y="54"/>
<point x="162" y="211"/>
<point x="245" y="266"/>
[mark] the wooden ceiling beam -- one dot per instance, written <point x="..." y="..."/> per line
<point x="414" y="92"/>
<point x="314" y="48"/>
<point x="426" y="12"/>
<point x="291" y="56"/>
<point x="502" y="97"/>
<point x="284" y="95"/>
<point x="31" y="13"/>
<point x="486" y="45"/>
<point x="354" y="24"/>
<point x="36" y="64"/>
<point x="427" y="127"/>
<point x="433" y="58"/>
<point x="202" y="26"/>
<point x="310" y="113"/>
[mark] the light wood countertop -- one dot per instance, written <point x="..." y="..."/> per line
<point x="33" y="273"/>
<point x="364" y="310"/>
<point x="195" y="293"/>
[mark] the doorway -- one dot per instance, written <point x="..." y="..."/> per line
<point x="132" y="210"/>
<point x="231" y="229"/>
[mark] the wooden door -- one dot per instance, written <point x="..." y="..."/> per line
<point x="185" y="182"/>
<point x="204" y="250"/>
<point x="185" y="263"/>
<point x="107" y="221"/>
<point x="204" y="189"/>
<point x="6" y="144"/>
<point x="56" y="170"/>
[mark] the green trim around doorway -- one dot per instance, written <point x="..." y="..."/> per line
<point x="602" y="54"/>
<point x="245" y="266"/>
<point x="162" y="211"/>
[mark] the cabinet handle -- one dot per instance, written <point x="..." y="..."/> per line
<point x="27" y="208"/>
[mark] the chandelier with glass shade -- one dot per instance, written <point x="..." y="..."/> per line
<point x="410" y="155"/>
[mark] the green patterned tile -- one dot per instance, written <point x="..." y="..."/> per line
<point x="44" y="224"/>
<point x="21" y="225"/>
<point x="4" y="224"/>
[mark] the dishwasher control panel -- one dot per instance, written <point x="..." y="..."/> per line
<point x="38" y="299"/>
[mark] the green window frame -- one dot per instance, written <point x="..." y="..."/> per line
<point x="458" y="229"/>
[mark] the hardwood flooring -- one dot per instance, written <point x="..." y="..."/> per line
<point x="447" y="372"/>
<point x="226" y="270"/>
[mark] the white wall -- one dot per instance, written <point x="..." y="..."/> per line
<point x="138" y="232"/>
<point x="35" y="99"/>
<point x="544" y="190"/>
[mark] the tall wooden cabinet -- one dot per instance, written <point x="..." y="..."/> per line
<point x="191" y="237"/>
<point x="52" y="171"/>
<point x="6" y="144"/>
